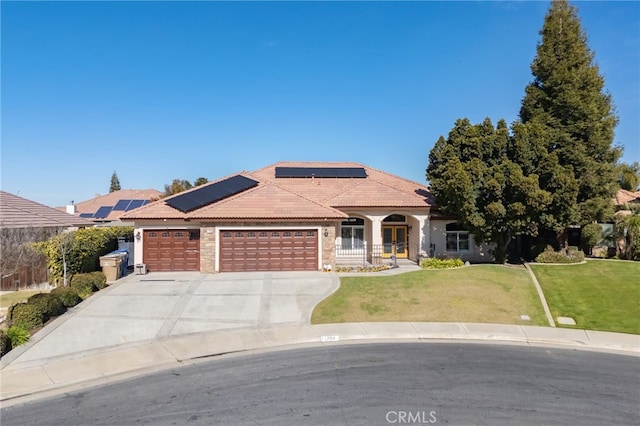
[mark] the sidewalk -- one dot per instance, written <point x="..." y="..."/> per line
<point x="23" y="381"/>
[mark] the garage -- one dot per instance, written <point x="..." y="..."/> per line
<point x="269" y="250"/>
<point x="171" y="250"/>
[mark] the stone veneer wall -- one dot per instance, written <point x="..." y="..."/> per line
<point x="207" y="249"/>
<point x="208" y="243"/>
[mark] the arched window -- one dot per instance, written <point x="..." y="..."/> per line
<point x="457" y="238"/>
<point x="395" y="218"/>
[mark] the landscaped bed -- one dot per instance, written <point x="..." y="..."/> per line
<point x="480" y="293"/>
<point x="598" y="295"/>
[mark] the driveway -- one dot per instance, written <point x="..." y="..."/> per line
<point x="141" y="308"/>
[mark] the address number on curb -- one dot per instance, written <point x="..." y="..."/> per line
<point x="329" y="338"/>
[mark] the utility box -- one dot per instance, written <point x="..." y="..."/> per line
<point x="141" y="269"/>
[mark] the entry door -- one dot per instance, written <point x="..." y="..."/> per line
<point x="394" y="238"/>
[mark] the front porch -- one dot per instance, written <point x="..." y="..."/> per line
<point x="377" y="254"/>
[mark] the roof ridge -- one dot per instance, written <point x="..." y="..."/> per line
<point x="305" y="198"/>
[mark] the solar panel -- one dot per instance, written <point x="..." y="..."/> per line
<point x="86" y="214"/>
<point x="103" y="212"/>
<point x="211" y="193"/>
<point x="146" y="202"/>
<point x="135" y="204"/>
<point x="121" y="205"/>
<point x="321" y="172"/>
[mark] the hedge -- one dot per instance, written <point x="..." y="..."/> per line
<point x="26" y="315"/>
<point x="49" y="305"/>
<point x="551" y="256"/>
<point x="85" y="284"/>
<point x="5" y="343"/>
<point x="435" y="263"/>
<point x="82" y="249"/>
<point x="68" y="295"/>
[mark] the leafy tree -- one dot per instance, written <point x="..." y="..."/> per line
<point x="590" y="235"/>
<point x="115" y="183"/>
<point x="629" y="176"/>
<point x="200" y="181"/>
<point x="177" y="186"/>
<point x="567" y="123"/>
<point x="473" y="178"/>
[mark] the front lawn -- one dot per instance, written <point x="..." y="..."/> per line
<point x="598" y="295"/>
<point x="14" y="297"/>
<point x="480" y="293"/>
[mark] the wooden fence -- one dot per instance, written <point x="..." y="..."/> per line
<point x="36" y="273"/>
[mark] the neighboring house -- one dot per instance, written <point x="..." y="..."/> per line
<point x="24" y="221"/>
<point x="107" y="209"/>
<point x="296" y="216"/>
<point x="624" y="198"/>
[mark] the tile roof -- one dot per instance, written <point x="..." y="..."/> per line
<point x="300" y="198"/>
<point x="110" y="199"/>
<point x="18" y="212"/>
<point x="623" y="197"/>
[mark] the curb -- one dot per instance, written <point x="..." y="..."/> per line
<point x="22" y="382"/>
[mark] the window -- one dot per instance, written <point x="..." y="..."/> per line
<point x="298" y="234"/>
<point x="166" y="235"/>
<point x="457" y="238"/>
<point x="153" y="235"/>
<point x="352" y="233"/>
<point x="311" y="234"/>
<point x="251" y="234"/>
<point x="178" y="235"/>
<point x="263" y="235"/>
<point x="275" y="234"/>
<point x="286" y="234"/>
<point x="239" y="234"/>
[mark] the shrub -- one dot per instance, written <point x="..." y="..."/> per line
<point x="67" y="295"/>
<point x="435" y="263"/>
<point x="84" y="284"/>
<point x="49" y="304"/>
<point x="99" y="279"/>
<point x="82" y="249"/>
<point x="591" y="235"/>
<point x="17" y="336"/>
<point x="5" y="343"/>
<point x="551" y="256"/>
<point x="26" y="315"/>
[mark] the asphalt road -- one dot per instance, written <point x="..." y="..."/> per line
<point x="365" y="384"/>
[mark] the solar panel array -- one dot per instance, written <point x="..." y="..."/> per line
<point x="321" y="172"/>
<point x="211" y="193"/>
<point x="121" y="205"/>
<point x="126" y="205"/>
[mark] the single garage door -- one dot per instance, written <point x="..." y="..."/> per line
<point x="273" y="250"/>
<point x="172" y="250"/>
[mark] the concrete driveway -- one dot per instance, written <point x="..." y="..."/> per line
<point x="140" y="308"/>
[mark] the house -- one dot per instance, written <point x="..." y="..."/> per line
<point x="22" y="222"/>
<point x="297" y="216"/>
<point x="625" y="198"/>
<point x="107" y="209"/>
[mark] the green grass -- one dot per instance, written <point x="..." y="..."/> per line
<point x="9" y="299"/>
<point x="481" y="293"/>
<point x="598" y="295"/>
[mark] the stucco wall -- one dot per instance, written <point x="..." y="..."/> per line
<point x="438" y="237"/>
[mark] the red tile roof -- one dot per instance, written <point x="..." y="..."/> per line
<point x="623" y="197"/>
<point x="110" y="199"/>
<point x="300" y="198"/>
<point x="18" y="212"/>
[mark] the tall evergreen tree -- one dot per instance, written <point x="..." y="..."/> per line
<point x="567" y="123"/>
<point x="472" y="178"/>
<point x="115" y="183"/>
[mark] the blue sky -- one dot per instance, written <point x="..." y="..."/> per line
<point x="164" y="90"/>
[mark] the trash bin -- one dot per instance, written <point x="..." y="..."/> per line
<point x="124" y="264"/>
<point x="110" y="266"/>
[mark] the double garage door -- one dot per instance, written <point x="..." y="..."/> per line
<point x="172" y="250"/>
<point x="272" y="250"/>
<point x="240" y="250"/>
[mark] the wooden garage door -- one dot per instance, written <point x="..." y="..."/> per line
<point x="172" y="250"/>
<point x="273" y="250"/>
